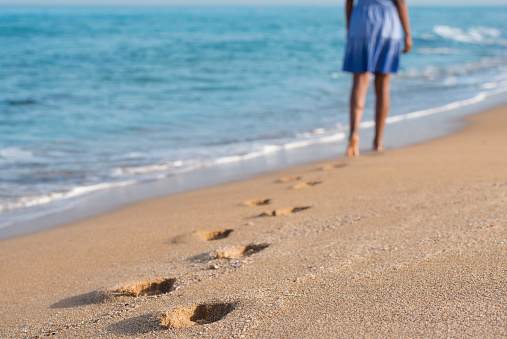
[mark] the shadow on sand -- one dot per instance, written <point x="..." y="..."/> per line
<point x="138" y="325"/>
<point x="80" y="300"/>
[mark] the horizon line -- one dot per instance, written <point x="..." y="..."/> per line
<point x="222" y="5"/>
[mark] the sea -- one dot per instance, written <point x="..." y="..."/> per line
<point x="93" y="98"/>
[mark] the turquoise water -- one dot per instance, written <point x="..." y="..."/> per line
<point x="92" y="98"/>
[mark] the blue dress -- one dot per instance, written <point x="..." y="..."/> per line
<point x="375" y="38"/>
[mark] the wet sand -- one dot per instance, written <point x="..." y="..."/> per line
<point x="411" y="242"/>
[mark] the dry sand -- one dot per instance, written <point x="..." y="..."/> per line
<point x="411" y="242"/>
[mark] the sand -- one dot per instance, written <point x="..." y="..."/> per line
<point x="410" y="242"/>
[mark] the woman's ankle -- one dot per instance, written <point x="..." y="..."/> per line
<point x="353" y="147"/>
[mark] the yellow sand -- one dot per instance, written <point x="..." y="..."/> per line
<point x="408" y="243"/>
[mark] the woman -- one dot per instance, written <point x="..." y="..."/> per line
<point x="374" y="42"/>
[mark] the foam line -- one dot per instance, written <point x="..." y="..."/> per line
<point x="159" y="172"/>
<point x="48" y="198"/>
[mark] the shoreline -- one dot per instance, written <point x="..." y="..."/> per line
<point x="400" y="133"/>
<point x="411" y="242"/>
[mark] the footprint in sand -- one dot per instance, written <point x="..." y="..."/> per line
<point x="332" y="167"/>
<point x="258" y="202"/>
<point x="306" y="184"/>
<point x="203" y="236"/>
<point x="133" y="289"/>
<point x="229" y="253"/>
<point x="187" y="316"/>
<point x="214" y="235"/>
<point x="278" y="213"/>
<point x="239" y="252"/>
<point x="289" y="179"/>
<point x="143" y="288"/>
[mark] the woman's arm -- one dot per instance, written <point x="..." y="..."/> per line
<point x="349" y="5"/>
<point x="402" y="7"/>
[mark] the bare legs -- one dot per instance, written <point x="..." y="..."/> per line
<point x="360" y="85"/>
<point x="382" y="93"/>
<point x="361" y="81"/>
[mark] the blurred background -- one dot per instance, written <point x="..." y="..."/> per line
<point x="93" y="97"/>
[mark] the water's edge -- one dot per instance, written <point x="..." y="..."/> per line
<point x="400" y="133"/>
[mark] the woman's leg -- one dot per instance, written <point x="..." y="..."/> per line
<point x="382" y="92"/>
<point x="357" y="99"/>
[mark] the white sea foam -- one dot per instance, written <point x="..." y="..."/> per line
<point x="453" y="105"/>
<point x="120" y="171"/>
<point x="441" y="50"/>
<point x="367" y="124"/>
<point x="14" y="154"/>
<point x="328" y="138"/>
<point x="272" y="148"/>
<point x="229" y="159"/>
<point x="489" y="85"/>
<point x="319" y="136"/>
<point x="161" y="171"/>
<point x="31" y="201"/>
<point x="431" y="72"/>
<point x="6" y="222"/>
<point x="501" y="76"/>
<point x="481" y="35"/>
<point x="441" y="109"/>
<point x="296" y="144"/>
<point x="449" y="81"/>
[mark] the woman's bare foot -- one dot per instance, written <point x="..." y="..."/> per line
<point x="377" y="146"/>
<point x="353" y="148"/>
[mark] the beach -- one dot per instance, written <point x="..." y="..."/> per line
<point x="110" y="98"/>
<point x="410" y="242"/>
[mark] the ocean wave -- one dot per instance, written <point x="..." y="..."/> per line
<point x="44" y="199"/>
<point x="439" y="50"/>
<point x="14" y="154"/>
<point x="119" y="171"/>
<point x="234" y="153"/>
<point x="237" y="153"/>
<point x="451" y="106"/>
<point x="475" y="35"/>
<point x="432" y="72"/>
<point x="139" y="174"/>
<point x="136" y="175"/>
<point x="494" y="85"/>
<point x="441" y="109"/>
